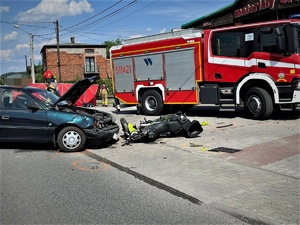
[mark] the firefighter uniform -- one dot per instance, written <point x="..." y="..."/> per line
<point x="104" y="93"/>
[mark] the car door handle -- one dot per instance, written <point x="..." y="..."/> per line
<point x="5" y="117"/>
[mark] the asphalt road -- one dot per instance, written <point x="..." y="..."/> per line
<point x="230" y="129"/>
<point x="48" y="187"/>
<point x="43" y="186"/>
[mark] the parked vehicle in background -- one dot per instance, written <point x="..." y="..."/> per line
<point x="36" y="115"/>
<point x="254" y="65"/>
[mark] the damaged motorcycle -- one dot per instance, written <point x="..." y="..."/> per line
<point x="172" y="125"/>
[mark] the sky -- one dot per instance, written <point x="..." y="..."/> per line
<point x="88" y="21"/>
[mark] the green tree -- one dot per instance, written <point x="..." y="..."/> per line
<point x="110" y="44"/>
<point x="38" y="70"/>
<point x="39" y="74"/>
<point x="1" y="81"/>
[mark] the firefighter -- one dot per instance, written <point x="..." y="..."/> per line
<point x="104" y="93"/>
<point x="51" y="82"/>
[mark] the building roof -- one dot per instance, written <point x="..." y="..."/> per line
<point x="73" y="45"/>
<point x="246" y="11"/>
<point x="189" y="24"/>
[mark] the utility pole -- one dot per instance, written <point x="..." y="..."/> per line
<point x="26" y="63"/>
<point x="58" y="53"/>
<point x="32" y="58"/>
<point x="31" y="54"/>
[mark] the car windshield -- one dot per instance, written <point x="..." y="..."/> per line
<point x="47" y="97"/>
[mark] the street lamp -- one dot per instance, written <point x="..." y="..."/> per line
<point x="31" y="53"/>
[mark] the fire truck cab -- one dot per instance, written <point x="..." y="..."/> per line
<point x="254" y="65"/>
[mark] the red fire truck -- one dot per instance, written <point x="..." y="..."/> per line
<point x="254" y="65"/>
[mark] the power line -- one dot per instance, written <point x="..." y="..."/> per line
<point x="95" y="15"/>
<point x="88" y="35"/>
<point x="21" y="22"/>
<point x="109" y="16"/>
<point x="87" y="26"/>
<point x="129" y="14"/>
<point x="104" y="17"/>
<point x="30" y="25"/>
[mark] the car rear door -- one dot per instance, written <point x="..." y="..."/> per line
<point x="17" y="122"/>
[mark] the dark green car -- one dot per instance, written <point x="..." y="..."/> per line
<point x="36" y="115"/>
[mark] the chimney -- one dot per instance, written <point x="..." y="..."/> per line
<point x="72" y="39"/>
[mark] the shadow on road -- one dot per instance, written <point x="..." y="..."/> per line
<point x="213" y="111"/>
<point x="27" y="146"/>
<point x="43" y="147"/>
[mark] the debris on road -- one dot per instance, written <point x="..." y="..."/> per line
<point x="226" y="125"/>
<point x="204" y="123"/>
<point x="205" y="149"/>
<point x="166" y="125"/>
<point x="195" y="145"/>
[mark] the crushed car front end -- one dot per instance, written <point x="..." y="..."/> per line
<point x="102" y="129"/>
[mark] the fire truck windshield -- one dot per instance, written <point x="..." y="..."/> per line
<point x="296" y="27"/>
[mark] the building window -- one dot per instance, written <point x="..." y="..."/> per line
<point x="89" y="64"/>
<point x="89" y="50"/>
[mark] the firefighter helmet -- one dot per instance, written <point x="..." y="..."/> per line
<point x="48" y="74"/>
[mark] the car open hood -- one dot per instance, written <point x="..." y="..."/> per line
<point x="76" y="90"/>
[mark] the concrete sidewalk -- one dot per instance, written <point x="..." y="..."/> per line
<point x="260" y="182"/>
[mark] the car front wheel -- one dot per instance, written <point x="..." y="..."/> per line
<point x="71" y="139"/>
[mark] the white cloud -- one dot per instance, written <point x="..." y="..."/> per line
<point x="14" y="58"/>
<point x="4" y="9"/>
<point x="20" y="46"/>
<point x="36" y="45"/>
<point x="11" y="36"/>
<point x="5" y="54"/>
<point x="54" y="9"/>
<point x="163" y="30"/>
<point x="149" y="29"/>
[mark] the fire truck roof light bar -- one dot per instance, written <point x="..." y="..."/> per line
<point x="185" y="34"/>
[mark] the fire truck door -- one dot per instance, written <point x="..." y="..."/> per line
<point x="225" y="61"/>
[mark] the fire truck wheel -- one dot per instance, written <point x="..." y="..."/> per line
<point x="152" y="103"/>
<point x="258" y="103"/>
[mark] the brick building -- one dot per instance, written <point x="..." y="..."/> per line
<point x="246" y="11"/>
<point x="77" y="60"/>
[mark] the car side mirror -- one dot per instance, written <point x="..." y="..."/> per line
<point x="32" y="105"/>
